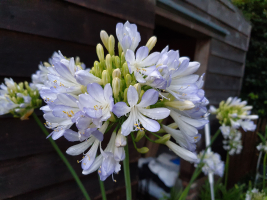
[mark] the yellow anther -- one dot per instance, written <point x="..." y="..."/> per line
<point x="78" y="161"/>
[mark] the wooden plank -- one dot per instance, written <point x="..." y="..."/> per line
<point x="222" y="82"/>
<point x="224" y="12"/>
<point x="226" y="51"/>
<point x="234" y="39"/>
<point x="72" y="23"/>
<point x="224" y="66"/>
<point x="137" y="11"/>
<point x="23" y="52"/>
<point x="216" y="96"/>
<point x="70" y="190"/>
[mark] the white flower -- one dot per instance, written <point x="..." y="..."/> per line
<point x="255" y="194"/>
<point x="234" y="143"/>
<point x="136" y="117"/>
<point x="262" y="147"/>
<point x="212" y="163"/>
<point x="128" y="36"/>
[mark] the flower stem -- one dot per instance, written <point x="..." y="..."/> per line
<point x="127" y="177"/>
<point x="199" y="167"/>
<point x="264" y="170"/>
<point x="102" y="187"/>
<point x="61" y="155"/>
<point x="226" y="169"/>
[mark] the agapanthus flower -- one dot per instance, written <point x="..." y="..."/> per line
<point x="255" y="194"/>
<point x="212" y="163"/>
<point x="131" y="92"/>
<point x="233" y="142"/>
<point x="262" y="147"/>
<point x="18" y="99"/>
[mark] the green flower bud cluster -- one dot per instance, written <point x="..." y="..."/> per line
<point x="113" y="69"/>
<point x="26" y="99"/>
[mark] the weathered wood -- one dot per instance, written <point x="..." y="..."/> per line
<point x="197" y="30"/>
<point x="70" y="190"/>
<point x="137" y="11"/>
<point x="224" y="66"/>
<point x="23" y="52"/>
<point x="226" y="51"/>
<point x="58" y="19"/>
<point x="222" y="82"/>
<point x="223" y="11"/>
<point x="216" y="96"/>
<point x="202" y="54"/>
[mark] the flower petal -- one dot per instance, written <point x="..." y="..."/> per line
<point x="129" y="57"/>
<point x="84" y="77"/>
<point x="141" y="53"/>
<point x="151" y="59"/>
<point x="148" y="124"/>
<point x="150" y="97"/>
<point x="132" y="96"/>
<point x="121" y="109"/>
<point x="96" y="91"/>
<point x="80" y="148"/>
<point x="127" y="126"/>
<point x="155" y="113"/>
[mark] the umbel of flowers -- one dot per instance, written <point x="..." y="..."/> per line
<point x="18" y="99"/>
<point x="232" y="115"/>
<point x="129" y="94"/>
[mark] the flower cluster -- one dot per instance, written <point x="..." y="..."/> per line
<point x="233" y="114"/>
<point x="212" y="163"/>
<point x="262" y="147"/>
<point x="255" y="194"/>
<point x="18" y="99"/>
<point x="132" y="91"/>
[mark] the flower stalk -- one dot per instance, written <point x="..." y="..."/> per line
<point x="226" y="169"/>
<point x="264" y="170"/>
<point x="126" y="169"/>
<point x="61" y="155"/>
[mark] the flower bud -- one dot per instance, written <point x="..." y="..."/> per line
<point x="138" y="88"/>
<point x="173" y="125"/>
<point x="125" y="95"/>
<point x="141" y="94"/>
<point x="120" y="140"/>
<point x="181" y="105"/>
<point x="111" y="45"/>
<point x="143" y="150"/>
<point x="109" y="63"/>
<point x="46" y="64"/>
<point x="119" y="153"/>
<point x="116" y="87"/>
<point x="117" y="62"/>
<point x="116" y="73"/>
<point x="112" y="118"/>
<point x="163" y="139"/>
<point x="105" y="77"/>
<point x="119" y="48"/>
<point x="151" y="43"/>
<point x="128" y="80"/>
<point x="122" y="86"/>
<point x="104" y="37"/>
<point x="125" y="69"/>
<point x="139" y="136"/>
<point x="122" y="58"/>
<point x="97" y="69"/>
<point x="100" y="52"/>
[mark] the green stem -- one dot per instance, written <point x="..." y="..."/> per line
<point x="149" y="139"/>
<point x="155" y="135"/>
<point x="264" y="170"/>
<point x="102" y="187"/>
<point x="226" y="169"/>
<point x="61" y="155"/>
<point x="127" y="177"/>
<point x="199" y="167"/>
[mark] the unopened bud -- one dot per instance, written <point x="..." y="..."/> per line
<point x="139" y="136"/>
<point x="97" y="69"/>
<point x="116" y="73"/>
<point x="128" y="80"/>
<point x="105" y="77"/>
<point x="122" y="57"/>
<point x="138" y="88"/>
<point x="109" y="63"/>
<point x="151" y="43"/>
<point x="112" y="118"/>
<point x="125" y="69"/>
<point x="100" y="52"/>
<point x="143" y="150"/>
<point x="111" y="44"/>
<point x="141" y="94"/>
<point x="181" y="105"/>
<point x="46" y="64"/>
<point x="104" y="37"/>
<point x="163" y="139"/>
<point x="117" y="62"/>
<point x="173" y="125"/>
<point x="125" y="95"/>
<point x="120" y="140"/>
<point x="116" y="87"/>
<point x="119" y="48"/>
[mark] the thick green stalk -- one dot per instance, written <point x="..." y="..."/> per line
<point x="226" y="169"/>
<point x="61" y="155"/>
<point x="102" y="187"/>
<point x="127" y="177"/>
<point x="264" y="170"/>
<point x="199" y="167"/>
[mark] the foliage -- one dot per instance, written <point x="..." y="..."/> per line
<point x="255" y="78"/>
<point x="236" y="193"/>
